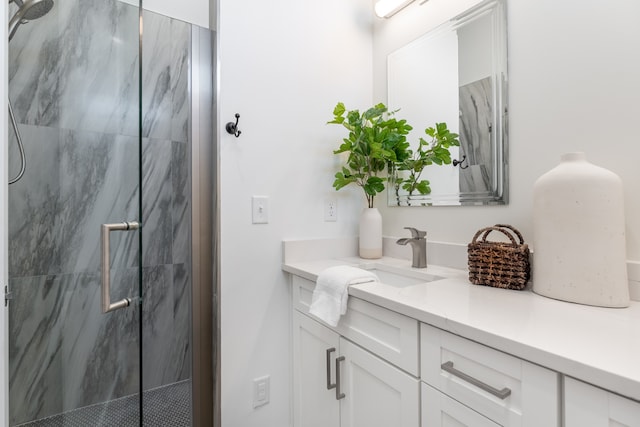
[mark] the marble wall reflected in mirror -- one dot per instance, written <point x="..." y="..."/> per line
<point x="457" y="74"/>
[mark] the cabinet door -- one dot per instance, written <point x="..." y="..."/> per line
<point x="439" y="410"/>
<point x="314" y="404"/>
<point x="377" y="394"/>
<point x="589" y="406"/>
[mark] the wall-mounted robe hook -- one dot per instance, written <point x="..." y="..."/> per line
<point x="460" y="162"/>
<point x="232" y="128"/>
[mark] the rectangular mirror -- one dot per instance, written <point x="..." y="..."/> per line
<point x="456" y="74"/>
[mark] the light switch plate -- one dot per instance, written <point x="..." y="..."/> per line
<point x="261" y="391"/>
<point x="260" y="209"/>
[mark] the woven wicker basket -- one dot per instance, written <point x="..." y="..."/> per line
<point x="499" y="264"/>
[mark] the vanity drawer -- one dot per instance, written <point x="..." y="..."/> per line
<point x="507" y="390"/>
<point x="438" y="409"/>
<point x="390" y="335"/>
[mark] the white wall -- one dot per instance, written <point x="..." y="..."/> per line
<point x="284" y="66"/>
<point x="574" y="86"/>
<point x="474" y="41"/>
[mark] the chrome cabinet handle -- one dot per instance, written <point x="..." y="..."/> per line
<point x="501" y="394"/>
<point x="330" y="385"/>
<point x="105" y="264"/>
<point x="339" y="393"/>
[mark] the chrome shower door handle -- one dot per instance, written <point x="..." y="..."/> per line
<point x="105" y="264"/>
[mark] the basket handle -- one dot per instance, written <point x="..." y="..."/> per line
<point x="500" y="228"/>
<point x="514" y="230"/>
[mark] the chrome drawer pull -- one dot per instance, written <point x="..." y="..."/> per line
<point x="501" y="394"/>
<point x="339" y="393"/>
<point x="330" y="385"/>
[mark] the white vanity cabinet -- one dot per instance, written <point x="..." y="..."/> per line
<point x="340" y="377"/>
<point x="456" y="345"/>
<point x="478" y="386"/>
<point x="379" y="368"/>
<point x="589" y="406"/>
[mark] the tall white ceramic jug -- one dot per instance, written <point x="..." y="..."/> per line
<point x="579" y="252"/>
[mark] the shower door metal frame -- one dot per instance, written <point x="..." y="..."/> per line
<point x="205" y="254"/>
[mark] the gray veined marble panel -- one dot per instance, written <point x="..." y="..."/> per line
<point x="180" y="349"/>
<point x="156" y="202"/>
<point x="99" y="184"/>
<point x="165" y="59"/>
<point x="157" y="323"/>
<point x="475" y="135"/>
<point x="181" y="208"/>
<point x="34" y="83"/>
<point x="35" y="348"/>
<point x="100" y="44"/>
<point x="180" y="94"/>
<point x="34" y="203"/>
<point x="77" y="67"/>
<point x="64" y="353"/>
<point x="166" y="325"/>
<point x="101" y="351"/>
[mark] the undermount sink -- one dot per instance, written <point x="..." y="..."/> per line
<point x="401" y="279"/>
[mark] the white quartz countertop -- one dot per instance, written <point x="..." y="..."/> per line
<point x="597" y="345"/>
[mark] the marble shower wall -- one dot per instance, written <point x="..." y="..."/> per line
<point x="74" y="88"/>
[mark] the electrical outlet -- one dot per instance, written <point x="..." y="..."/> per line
<point x="260" y="209"/>
<point x="261" y="391"/>
<point x="330" y="210"/>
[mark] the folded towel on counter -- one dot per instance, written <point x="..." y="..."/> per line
<point x="330" y="296"/>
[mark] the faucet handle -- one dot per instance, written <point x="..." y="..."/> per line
<point x="415" y="233"/>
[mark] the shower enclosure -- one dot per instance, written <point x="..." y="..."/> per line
<point x="113" y="108"/>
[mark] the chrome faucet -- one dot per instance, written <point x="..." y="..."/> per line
<point x="418" y="245"/>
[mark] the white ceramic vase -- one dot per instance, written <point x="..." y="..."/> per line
<point x="370" y="242"/>
<point x="579" y="234"/>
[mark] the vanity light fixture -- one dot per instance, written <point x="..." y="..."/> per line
<point x="388" y="8"/>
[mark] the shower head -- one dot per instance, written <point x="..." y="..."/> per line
<point x="36" y="9"/>
<point x="28" y="11"/>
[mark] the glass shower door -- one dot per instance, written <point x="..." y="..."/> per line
<point x="74" y="84"/>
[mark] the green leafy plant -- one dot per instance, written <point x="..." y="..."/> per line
<point x="429" y="152"/>
<point x="376" y="139"/>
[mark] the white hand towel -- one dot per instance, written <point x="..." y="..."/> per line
<point x="330" y="295"/>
